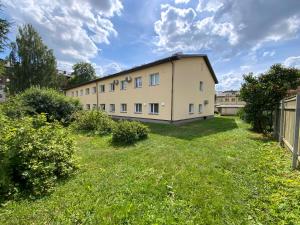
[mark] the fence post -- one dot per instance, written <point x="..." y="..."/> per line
<point x="296" y="133"/>
<point x="281" y="122"/>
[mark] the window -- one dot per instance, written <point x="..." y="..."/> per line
<point x="153" y="108"/>
<point x="81" y="92"/>
<point x="87" y="91"/>
<point x="102" y="107"/>
<point x="138" y="82"/>
<point x="76" y="93"/>
<point x="94" y="90"/>
<point x="101" y="88"/>
<point x="138" y="108"/>
<point x="72" y="94"/>
<point x="1" y="88"/>
<point x="233" y="99"/>
<point x="200" y="110"/>
<point x="1" y="96"/>
<point x="123" y="85"/>
<point x="123" y="108"/>
<point x="88" y="106"/>
<point x="201" y="86"/>
<point x="112" y="87"/>
<point x="191" y="108"/>
<point x="226" y="99"/>
<point x="112" y="108"/>
<point x="94" y="106"/>
<point x="154" y="79"/>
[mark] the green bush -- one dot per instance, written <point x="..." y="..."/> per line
<point x="94" y="121"/>
<point x="128" y="132"/>
<point x="37" y="100"/>
<point x="36" y="154"/>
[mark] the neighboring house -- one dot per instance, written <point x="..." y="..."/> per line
<point x="228" y="102"/>
<point x="64" y="73"/>
<point x="2" y="89"/>
<point x="173" y="89"/>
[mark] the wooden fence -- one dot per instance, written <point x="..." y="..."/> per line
<point x="286" y="126"/>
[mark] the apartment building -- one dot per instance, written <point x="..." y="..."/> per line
<point x="175" y="89"/>
<point x="228" y="102"/>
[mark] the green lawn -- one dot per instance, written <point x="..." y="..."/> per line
<point x="206" y="172"/>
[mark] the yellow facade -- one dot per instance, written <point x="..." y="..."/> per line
<point x="179" y="85"/>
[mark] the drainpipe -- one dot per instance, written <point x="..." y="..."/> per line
<point x="172" y="91"/>
<point x="97" y="93"/>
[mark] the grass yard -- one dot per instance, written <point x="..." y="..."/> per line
<point x="206" y="172"/>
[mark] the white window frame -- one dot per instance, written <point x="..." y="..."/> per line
<point x="138" y="82"/>
<point x="102" y="107"/>
<point x="135" y="108"/>
<point x="123" y="108"/>
<point x="81" y="92"/>
<point x="87" y="91"/>
<point x="201" y="84"/>
<point x="200" y="108"/>
<point x="94" y="106"/>
<point x="191" y="108"/>
<point x="110" y="87"/>
<point x="76" y="93"/>
<point x="101" y="88"/>
<point x="94" y="90"/>
<point x="72" y="94"/>
<point x="152" y="108"/>
<point x="154" y="79"/>
<point x="123" y="85"/>
<point x="112" y="106"/>
<point x="88" y="106"/>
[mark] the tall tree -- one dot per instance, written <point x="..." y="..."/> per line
<point x="4" y="29"/>
<point x="262" y="94"/>
<point x="32" y="63"/>
<point x="82" y="72"/>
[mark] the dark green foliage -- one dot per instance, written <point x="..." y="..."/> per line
<point x="37" y="100"/>
<point x="82" y="72"/>
<point x="4" y="29"/>
<point x="35" y="154"/>
<point x="129" y="132"/>
<point x="262" y="94"/>
<point x="97" y="122"/>
<point x="32" y="63"/>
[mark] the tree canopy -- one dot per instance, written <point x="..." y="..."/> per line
<point x="263" y="93"/>
<point x="82" y="72"/>
<point x="32" y="63"/>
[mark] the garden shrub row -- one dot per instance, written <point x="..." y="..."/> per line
<point x="37" y="100"/>
<point x="98" y="122"/>
<point x="34" y="154"/>
<point x="128" y="132"/>
<point x="95" y="121"/>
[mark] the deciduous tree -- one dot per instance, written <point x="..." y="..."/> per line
<point x="32" y="63"/>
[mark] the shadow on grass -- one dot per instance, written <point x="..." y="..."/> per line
<point x="195" y="129"/>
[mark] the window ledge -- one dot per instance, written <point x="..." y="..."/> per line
<point x="138" y="112"/>
<point x="153" y="113"/>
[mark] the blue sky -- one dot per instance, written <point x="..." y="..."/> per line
<point x="238" y="36"/>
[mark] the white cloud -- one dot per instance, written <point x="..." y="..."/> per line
<point x="209" y="5"/>
<point x="268" y="53"/>
<point x="73" y="29"/>
<point x="293" y="61"/>
<point x="227" y="27"/>
<point x="230" y="81"/>
<point x="182" y="1"/>
<point x="178" y="29"/>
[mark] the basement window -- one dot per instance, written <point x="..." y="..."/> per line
<point x="112" y="108"/>
<point x="102" y="107"/>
